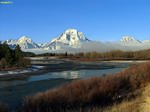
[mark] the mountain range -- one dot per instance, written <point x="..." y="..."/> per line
<point x="71" y="38"/>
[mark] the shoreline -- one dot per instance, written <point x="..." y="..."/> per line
<point x="107" y="60"/>
<point x="21" y="71"/>
<point x="63" y="65"/>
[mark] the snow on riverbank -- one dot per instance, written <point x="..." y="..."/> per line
<point x="20" y="71"/>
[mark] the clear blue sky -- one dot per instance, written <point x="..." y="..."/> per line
<point x="103" y="20"/>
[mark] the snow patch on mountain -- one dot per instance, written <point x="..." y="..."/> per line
<point x="41" y="45"/>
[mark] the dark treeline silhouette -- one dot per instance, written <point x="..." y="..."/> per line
<point x="10" y="58"/>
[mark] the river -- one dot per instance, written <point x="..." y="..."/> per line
<point x="13" y="90"/>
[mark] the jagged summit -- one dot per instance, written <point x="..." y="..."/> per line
<point x="26" y="43"/>
<point x="24" y="39"/>
<point x="71" y="30"/>
<point x="9" y="42"/>
<point x="129" y="40"/>
<point x="74" y="34"/>
<point x="71" y="37"/>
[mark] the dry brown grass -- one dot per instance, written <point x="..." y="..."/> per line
<point x="139" y="104"/>
<point x="145" y="103"/>
<point x="3" y="107"/>
<point x="125" y="106"/>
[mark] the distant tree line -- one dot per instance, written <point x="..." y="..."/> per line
<point x="28" y="54"/>
<point x="63" y="55"/>
<point x="115" y="54"/>
<point x="12" y="57"/>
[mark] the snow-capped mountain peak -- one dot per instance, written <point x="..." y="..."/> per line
<point x="73" y="34"/>
<point x="129" y="40"/>
<point x="71" y="31"/>
<point x="24" y="39"/>
<point x="70" y="38"/>
<point x="9" y="42"/>
<point x="26" y="43"/>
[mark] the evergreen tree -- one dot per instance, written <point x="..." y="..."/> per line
<point x="3" y="49"/>
<point x="66" y="54"/>
<point x="1" y="52"/>
<point x="3" y="63"/>
<point x="18" y="54"/>
<point x="9" y="57"/>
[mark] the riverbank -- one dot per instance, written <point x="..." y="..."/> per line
<point x="107" y="60"/>
<point x="92" y="93"/>
<point x="21" y="72"/>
